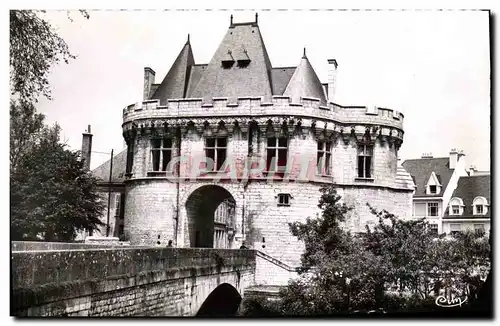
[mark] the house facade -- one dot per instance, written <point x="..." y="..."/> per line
<point x="441" y="186"/>
<point x="470" y="205"/>
<point x="231" y="151"/>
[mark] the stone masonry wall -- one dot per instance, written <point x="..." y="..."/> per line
<point x="124" y="282"/>
<point x="151" y="201"/>
<point x="260" y="220"/>
<point x="272" y="272"/>
<point x="150" y="211"/>
<point x="266" y="222"/>
<point x="397" y="203"/>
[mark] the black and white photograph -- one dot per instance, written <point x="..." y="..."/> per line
<point x="256" y="163"/>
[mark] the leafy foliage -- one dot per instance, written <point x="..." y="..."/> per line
<point x="34" y="48"/>
<point x="25" y="124"/>
<point x="397" y="265"/>
<point x="52" y="194"/>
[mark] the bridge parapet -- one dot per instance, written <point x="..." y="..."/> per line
<point x="125" y="281"/>
<point x="42" y="245"/>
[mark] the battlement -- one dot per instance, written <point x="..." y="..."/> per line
<point x="258" y="106"/>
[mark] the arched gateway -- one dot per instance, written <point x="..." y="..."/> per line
<point x="211" y="217"/>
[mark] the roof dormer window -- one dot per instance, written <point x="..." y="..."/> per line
<point x="227" y="60"/>
<point x="456" y="206"/>
<point x="433" y="186"/>
<point x="243" y="59"/>
<point x="480" y="206"/>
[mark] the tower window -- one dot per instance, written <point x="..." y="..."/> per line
<point x="161" y="152"/>
<point x="216" y="149"/>
<point x="323" y="161"/>
<point x="284" y="199"/>
<point x="365" y="153"/>
<point x="130" y="156"/>
<point x="277" y="151"/>
<point x="118" y="204"/>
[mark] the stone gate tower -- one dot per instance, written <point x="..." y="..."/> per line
<point x="233" y="150"/>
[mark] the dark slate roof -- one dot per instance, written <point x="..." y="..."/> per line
<point x="469" y="188"/>
<point x="175" y="83"/>
<point x="251" y="74"/>
<point x="153" y="89"/>
<point x="252" y="80"/>
<point x="280" y="77"/>
<point x="305" y="83"/>
<point x="194" y="78"/>
<point x="421" y="170"/>
<point x="119" y="166"/>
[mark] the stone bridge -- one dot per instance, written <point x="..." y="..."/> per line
<point x="130" y="281"/>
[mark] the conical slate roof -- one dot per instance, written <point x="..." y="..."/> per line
<point x="175" y="83"/>
<point x="222" y="79"/>
<point x="240" y="67"/>
<point x="305" y="83"/>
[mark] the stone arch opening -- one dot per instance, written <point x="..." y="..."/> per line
<point x="225" y="300"/>
<point x="211" y="212"/>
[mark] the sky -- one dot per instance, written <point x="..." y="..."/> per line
<point x="432" y="66"/>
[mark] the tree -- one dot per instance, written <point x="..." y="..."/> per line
<point x="337" y="274"/>
<point x="397" y="265"/>
<point x="52" y="194"/>
<point x="34" y="48"/>
<point x="25" y="125"/>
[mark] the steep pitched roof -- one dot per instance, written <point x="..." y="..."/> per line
<point x="280" y="77"/>
<point x="194" y="78"/>
<point x="254" y="79"/>
<point x="421" y="170"/>
<point x="305" y="83"/>
<point x="175" y="83"/>
<point x="153" y="89"/>
<point x="403" y="178"/>
<point x="119" y="166"/>
<point x="469" y="188"/>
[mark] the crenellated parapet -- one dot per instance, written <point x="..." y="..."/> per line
<point x="279" y="105"/>
<point x="328" y="121"/>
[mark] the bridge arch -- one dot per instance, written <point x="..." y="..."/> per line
<point x="224" y="300"/>
<point x="211" y="217"/>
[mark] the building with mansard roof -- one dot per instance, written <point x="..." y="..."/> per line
<point x="233" y="150"/>
<point x="450" y="197"/>
<point x="470" y="205"/>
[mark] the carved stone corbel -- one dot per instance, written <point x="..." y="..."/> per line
<point x="221" y="129"/>
<point x="345" y="137"/>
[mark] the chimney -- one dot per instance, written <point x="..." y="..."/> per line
<point x="453" y="158"/>
<point x="87" y="147"/>
<point x="149" y="80"/>
<point x="332" y="76"/>
<point x="472" y="170"/>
